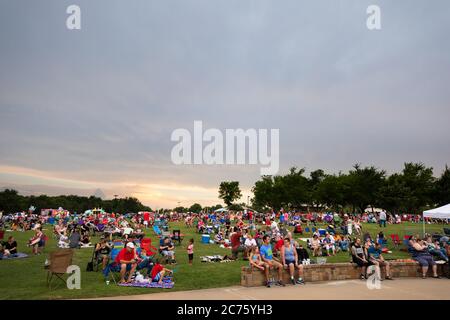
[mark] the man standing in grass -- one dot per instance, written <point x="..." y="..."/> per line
<point x="267" y="256"/>
<point x="382" y="219"/>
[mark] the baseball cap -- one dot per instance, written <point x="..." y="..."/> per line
<point x="130" y="245"/>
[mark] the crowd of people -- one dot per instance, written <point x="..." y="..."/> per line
<point x="265" y="240"/>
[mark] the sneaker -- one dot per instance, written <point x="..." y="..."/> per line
<point x="389" y="278"/>
<point x="300" y="281"/>
<point x="293" y="281"/>
<point x="268" y="284"/>
<point x="280" y="283"/>
<point x="362" y="277"/>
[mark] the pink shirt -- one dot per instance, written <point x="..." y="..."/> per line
<point x="190" y="249"/>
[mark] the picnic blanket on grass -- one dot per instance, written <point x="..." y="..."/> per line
<point x="215" y="258"/>
<point x="167" y="283"/>
<point x="18" y="255"/>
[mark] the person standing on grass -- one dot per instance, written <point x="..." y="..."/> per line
<point x="383" y="219"/>
<point x="267" y="256"/>
<point x="190" y="251"/>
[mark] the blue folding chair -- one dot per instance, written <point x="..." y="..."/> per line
<point x="112" y="267"/>
<point x="307" y="229"/>
<point x="157" y="230"/>
<point x="313" y="229"/>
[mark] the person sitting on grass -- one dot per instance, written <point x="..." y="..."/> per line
<point x="63" y="241"/>
<point x="267" y="256"/>
<point x="359" y="257"/>
<point x="329" y="244"/>
<point x="419" y="252"/>
<point x="219" y="238"/>
<point x="10" y="247"/>
<point x="289" y="259"/>
<point x="376" y="258"/>
<point x="85" y="240"/>
<point x="37" y="241"/>
<point x="158" y="272"/>
<point x="316" y="246"/>
<point x="128" y="262"/>
<point x="344" y="243"/>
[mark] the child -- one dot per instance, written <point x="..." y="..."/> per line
<point x="190" y="251"/>
<point x="255" y="259"/>
<point x="158" y="272"/>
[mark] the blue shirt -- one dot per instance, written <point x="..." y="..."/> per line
<point x="375" y="253"/>
<point x="266" y="251"/>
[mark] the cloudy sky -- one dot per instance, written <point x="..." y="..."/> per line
<point x="95" y="108"/>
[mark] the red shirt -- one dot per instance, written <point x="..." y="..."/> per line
<point x="146" y="216"/>
<point x="279" y="244"/>
<point x="125" y="255"/>
<point x="157" y="268"/>
<point x="236" y="240"/>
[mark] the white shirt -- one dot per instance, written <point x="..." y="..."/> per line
<point x="250" y="242"/>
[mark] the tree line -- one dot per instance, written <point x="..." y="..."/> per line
<point x="410" y="191"/>
<point x="11" y="201"/>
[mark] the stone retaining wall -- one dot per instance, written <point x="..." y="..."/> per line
<point x="333" y="272"/>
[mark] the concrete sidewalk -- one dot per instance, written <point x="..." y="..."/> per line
<point x="402" y="289"/>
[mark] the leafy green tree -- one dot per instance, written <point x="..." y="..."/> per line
<point x="419" y="181"/>
<point x="442" y="188"/>
<point x="329" y="191"/>
<point x="362" y="186"/>
<point x="229" y="192"/>
<point x="195" y="208"/>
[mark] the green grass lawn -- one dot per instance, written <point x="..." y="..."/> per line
<point x="26" y="278"/>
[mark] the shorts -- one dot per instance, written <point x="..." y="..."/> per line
<point x="359" y="262"/>
<point x="191" y="256"/>
<point x="288" y="262"/>
<point x="425" y="261"/>
<point x="157" y="277"/>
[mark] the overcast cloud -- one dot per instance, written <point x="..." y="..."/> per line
<point x="95" y="108"/>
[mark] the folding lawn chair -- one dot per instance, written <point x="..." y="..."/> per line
<point x="395" y="239"/>
<point x="60" y="260"/>
<point x="165" y="234"/>
<point x="112" y="267"/>
<point x="157" y="230"/>
<point x="177" y="236"/>
<point x="146" y="244"/>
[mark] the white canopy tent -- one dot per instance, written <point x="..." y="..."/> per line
<point x="437" y="213"/>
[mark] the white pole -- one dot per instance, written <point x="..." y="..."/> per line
<point x="423" y="223"/>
